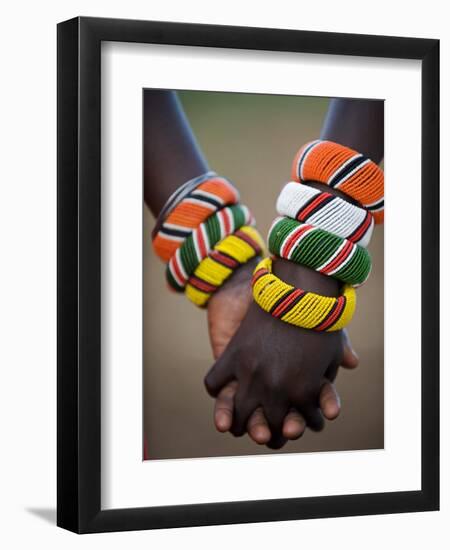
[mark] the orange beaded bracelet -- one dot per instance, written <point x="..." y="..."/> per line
<point x="209" y="196"/>
<point x="342" y="168"/>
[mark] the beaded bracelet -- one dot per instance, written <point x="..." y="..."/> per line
<point x="230" y="253"/>
<point x="194" y="208"/>
<point x="320" y="250"/>
<point x="342" y="168"/>
<point x="327" y="211"/>
<point x="177" y="196"/>
<point x="202" y="240"/>
<point x="299" y="307"/>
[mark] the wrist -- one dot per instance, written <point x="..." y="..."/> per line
<point x="241" y="277"/>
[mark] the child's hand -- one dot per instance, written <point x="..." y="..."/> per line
<point x="294" y="424"/>
<point x="276" y="366"/>
<point x="225" y="313"/>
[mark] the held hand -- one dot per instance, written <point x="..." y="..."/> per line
<point x="294" y="424"/>
<point x="225" y="313"/>
<point x="278" y="367"/>
<point x="228" y="307"/>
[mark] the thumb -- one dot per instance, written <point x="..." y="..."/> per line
<point x="350" y="359"/>
<point x="219" y="374"/>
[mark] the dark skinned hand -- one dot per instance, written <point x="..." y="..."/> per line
<point x="227" y="309"/>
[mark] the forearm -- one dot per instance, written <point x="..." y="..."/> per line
<point x="358" y="124"/>
<point x="354" y="123"/>
<point x="172" y="155"/>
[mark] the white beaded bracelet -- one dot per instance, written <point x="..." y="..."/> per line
<point x="329" y="212"/>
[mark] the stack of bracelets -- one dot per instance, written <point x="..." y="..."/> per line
<point x="204" y="234"/>
<point x="322" y="232"/>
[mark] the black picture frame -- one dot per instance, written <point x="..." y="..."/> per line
<point x="79" y="280"/>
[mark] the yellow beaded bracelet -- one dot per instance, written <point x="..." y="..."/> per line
<point x="211" y="273"/>
<point x="299" y="307"/>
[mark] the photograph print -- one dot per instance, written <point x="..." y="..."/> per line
<point x="263" y="274"/>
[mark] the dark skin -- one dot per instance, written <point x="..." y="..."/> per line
<point x="171" y="157"/>
<point x="281" y="369"/>
<point x="226" y="311"/>
<point x="278" y="367"/>
<point x="356" y="123"/>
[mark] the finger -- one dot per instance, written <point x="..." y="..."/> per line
<point x="223" y="407"/>
<point x="330" y="403"/>
<point x="257" y="427"/>
<point x="276" y="442"/>
<point x="294" y="425"/>
<point x="275" y="414"/>
<point x="313" y="417"/>
<point x="244" y="405"/>
<point x="350" y="359"/>
<point x="219" y="374"/>
<point x="332" y="370"/>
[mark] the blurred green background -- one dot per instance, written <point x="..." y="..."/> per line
<point x="251" y="139"/>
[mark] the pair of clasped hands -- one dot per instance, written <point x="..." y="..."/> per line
<point x="272" y="379"/>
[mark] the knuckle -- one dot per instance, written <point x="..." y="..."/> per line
<point x="209" y="384"/>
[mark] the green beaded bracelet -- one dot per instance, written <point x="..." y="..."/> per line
<point x="202" y="240"/>
<point x="319" y="250"/>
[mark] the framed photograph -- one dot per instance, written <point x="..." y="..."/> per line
<point x="221" y="202"/>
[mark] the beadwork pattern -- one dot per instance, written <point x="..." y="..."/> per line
<point x="342" y="168"/>
<point x="327" y="211"/>
<point x="299" y="307"/>
<point x="319" y="250"/>
<point x="230" y="253"/>
<point x="202" y="240"/>
<point x="205" y="199"/>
